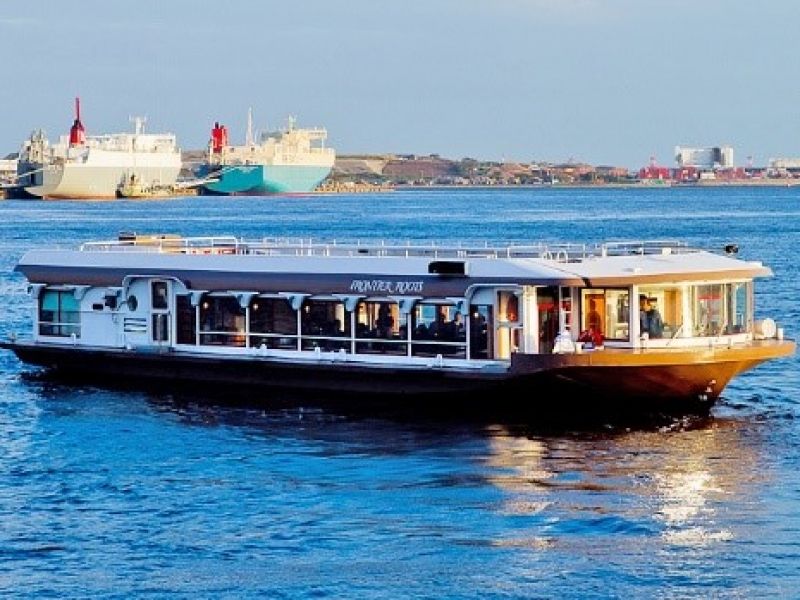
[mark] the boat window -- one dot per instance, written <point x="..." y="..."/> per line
<point x="508" y="307"/>
<point x="661" y="311"/>
<point x="324" y="324"/>
<point x="59" y="313"/>
<point x="383" y="328"/>
<point x="186" y="319"/>
<point x="721" y="309"/>
<point x="221" y="321"/>
<point x="481" y="323"/>
<point x="159" y="295"/>
<point x="740" y="307"/>
<point x="606" y="311"/>
<point x="273" y="323"/>
<point x="438" y="329"/>
<point x="566" y="307"/>
<point x="547" y="305"/>
<point x="160" y="327"/>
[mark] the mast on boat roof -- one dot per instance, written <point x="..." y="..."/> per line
<point x="138" y="124"/>
<point x="248" y="140"/>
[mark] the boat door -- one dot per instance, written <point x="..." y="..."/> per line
<point x="160" y="313"/>
<point x="547" y="300"/>
<point x="508" y="324"/>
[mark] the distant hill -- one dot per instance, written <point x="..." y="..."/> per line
<point x="422" y="170"/>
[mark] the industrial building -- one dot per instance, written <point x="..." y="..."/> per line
<point x="717" y="157"/>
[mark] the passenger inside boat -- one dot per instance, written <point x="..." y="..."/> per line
<point x="591" y="338"/>
<point x="441" y="327"/>
<point x="382" y="327"/>
<point x="384" y="323"/>
<point x="655" y="325"/>
<point x="593" y="319"/>
<point x="479" y="331"/>
<point x="650" y="320"/>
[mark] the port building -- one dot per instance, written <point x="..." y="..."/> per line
<point x="784" y="163"/>
<point x="716" y="157"/>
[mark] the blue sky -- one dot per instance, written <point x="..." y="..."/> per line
<point x="602" y="81"/>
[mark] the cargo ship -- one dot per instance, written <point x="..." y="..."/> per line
<point x="96" y="167"/>
<point x="292" y="160"/>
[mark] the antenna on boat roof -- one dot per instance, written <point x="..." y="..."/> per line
<point x="138" y="124"/>
<point x="248" y="140"/>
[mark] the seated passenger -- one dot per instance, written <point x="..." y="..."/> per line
<point x="385" y="322"/>
<point x="591" y="337"/>
<point x="438" y="329"/>
<point x="460" y="329"/>
<point x="447" y="331"/>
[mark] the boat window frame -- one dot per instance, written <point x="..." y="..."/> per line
<point x="179" y="314"/>
<point x="310" y="342"/>
<point x="70" y="328"/>
<point x="377" y="345"/>
<point x="272" y="340"/>
<point x="239" y="336"/>
<point x="423" y="347"/>
<point x="583" y="313"/>
<point x="725" y="303"/>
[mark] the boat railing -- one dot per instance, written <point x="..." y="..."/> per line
<point x="169" y="244"/>
<point x="555" y="252"/>
<point x="309" y="247"/>
<point x="626" y="248"/>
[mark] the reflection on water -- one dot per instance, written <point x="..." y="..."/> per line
<point x="671" y="483"/>
<point x="243" y="488"/>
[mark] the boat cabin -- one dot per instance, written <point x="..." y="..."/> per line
<point x="445" y="306"/>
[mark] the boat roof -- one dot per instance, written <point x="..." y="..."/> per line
<point x="373" y="268"/>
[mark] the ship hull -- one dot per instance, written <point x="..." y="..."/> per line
<point x="576" y="386"/>
<point x="81" y="181"/>
<point x="260" y="180"/>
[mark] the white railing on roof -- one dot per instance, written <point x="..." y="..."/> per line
<point x="309" y="247"/>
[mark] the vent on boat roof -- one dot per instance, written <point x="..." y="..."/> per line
<point x="452" y="268"/>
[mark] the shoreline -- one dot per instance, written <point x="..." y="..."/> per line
<point x="632" y="186"/>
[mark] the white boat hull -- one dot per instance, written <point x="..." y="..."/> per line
<point x="89" y="181"/>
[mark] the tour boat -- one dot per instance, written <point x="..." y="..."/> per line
<point x="654" y="325"/>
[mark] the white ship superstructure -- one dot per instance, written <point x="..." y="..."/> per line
<point x="291" y="146"/>
<point x="80" y="166"/>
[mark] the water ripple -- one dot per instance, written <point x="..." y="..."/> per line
<point x="110" y="493"/>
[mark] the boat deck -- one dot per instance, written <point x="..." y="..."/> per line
<point x="308" y="247"/>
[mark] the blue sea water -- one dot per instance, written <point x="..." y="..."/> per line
<point x="116" y="493"/>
